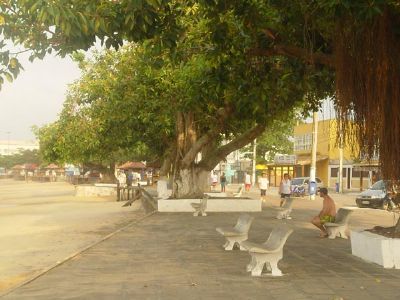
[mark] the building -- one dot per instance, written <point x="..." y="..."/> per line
<point x="327" y="166"/>
<point x="10" y="147"/>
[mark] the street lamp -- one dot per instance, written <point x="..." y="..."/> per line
<point x="8" y="142"/>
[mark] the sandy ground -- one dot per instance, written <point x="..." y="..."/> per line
<point x="43" y="223"/>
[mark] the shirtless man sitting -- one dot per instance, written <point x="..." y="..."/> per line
<point x="327" y="213"/>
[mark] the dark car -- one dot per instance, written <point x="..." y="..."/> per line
<point x="377" y="196"/>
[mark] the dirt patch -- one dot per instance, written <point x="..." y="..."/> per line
<point x="389" y="232"/>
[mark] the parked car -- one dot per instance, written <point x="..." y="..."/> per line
<point x="300" y="185"/>
<point x="378" y="196"/>
<point x="92" y="174"/>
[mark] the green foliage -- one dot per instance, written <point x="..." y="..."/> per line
<point x="64" y="26"/>
<point x="277" y="139"/>
<point x="128" y="99"/>
<point x="22" y="157"/>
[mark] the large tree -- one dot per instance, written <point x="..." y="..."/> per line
<point x="355" y="39"/>
<point x="183" y="104"/>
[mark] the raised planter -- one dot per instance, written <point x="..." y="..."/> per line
<point x="376" y="248"/>
<point x="217" y="194"/>
<point x="213" y="205"/>
<point x="95" y="191"/>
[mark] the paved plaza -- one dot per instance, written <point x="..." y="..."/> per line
<point x="178" y="256"/>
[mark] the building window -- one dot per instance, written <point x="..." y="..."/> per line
<point x="335" y="171"/>
<point x="303" y="142"/>
<point x="357" y="174"/>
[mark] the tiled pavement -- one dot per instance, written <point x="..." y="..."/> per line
<point x="178" y="256"/>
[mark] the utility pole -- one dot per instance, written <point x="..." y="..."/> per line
<point x="253" y="179"/>
<point x="8" y="141"/>
<point x="340" y="171"/>
<point x="313" y="168"/>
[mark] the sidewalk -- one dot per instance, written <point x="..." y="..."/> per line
<point x="178" y="256"/>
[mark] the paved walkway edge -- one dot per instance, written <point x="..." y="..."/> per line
<point x="59" y="263"/>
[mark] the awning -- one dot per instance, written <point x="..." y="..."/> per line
<point x="301" y="160"/>
<point x="364" y="166"/>
<point x="132" y="165"/>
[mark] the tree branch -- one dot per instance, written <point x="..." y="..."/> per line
<point x="296" y="52"/>
<point x="190" y="156"/>
<point x="214" y="157"/>
<point x="196" y="148"/>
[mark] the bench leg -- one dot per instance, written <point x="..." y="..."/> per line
<point x="342" y="232"/>
<point x="196" y="213"/>
<point x="242" y="248"/>
<point x="226" y="244"/>
<point x="257" y="270"/>
<point x="275" y="271"/>
<point x="252" y="264"/>
<point x="230" y="245"/>
<point x="332" y="232"/>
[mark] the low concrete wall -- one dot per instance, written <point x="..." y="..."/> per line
<point x="376" y="248"/>
<point x="98" y="191"/>
<point x="213" y="205"/>
<point x="216" y="194"/>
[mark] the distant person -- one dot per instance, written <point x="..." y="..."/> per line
<point x="327" y="214"/>
<point x="121" y="179"/>
<point x="129" y="178"/>
<point x="214" y="180"/>
<point x="222" y="179"/>
<point x="247" y="182"/>
<point x="285" y="188"/>
<point x="263" y="184"/>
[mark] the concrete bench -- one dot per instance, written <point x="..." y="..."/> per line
<point x="286" y="209"/>
<point x="268" y="253"/>
<point x="200" y="207"/>
<point x="239" y="193"/>
<point x="339" y="227"/>
<point x="237" y="234"/>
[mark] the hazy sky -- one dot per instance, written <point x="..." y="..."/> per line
<point x="36" y="96"/>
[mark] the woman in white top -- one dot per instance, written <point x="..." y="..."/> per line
<point x="285" y="188"/>
<point x="263" y="185"/>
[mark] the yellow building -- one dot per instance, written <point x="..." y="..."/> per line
<point x="327" y="156"/>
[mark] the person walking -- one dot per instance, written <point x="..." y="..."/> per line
<point x="263" y="184"/>
<point x="285" y="188"/>
<point x="247" y="182"/>
<point x="222" y="180"/>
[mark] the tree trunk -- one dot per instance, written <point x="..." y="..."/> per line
<point x="190" y="183"/>
<point x="190" y="178"/>
<point x="108" y="173"/>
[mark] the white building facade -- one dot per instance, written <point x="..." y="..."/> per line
<point x="10" y="147"/>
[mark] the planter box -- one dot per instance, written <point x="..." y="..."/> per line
<point x="376" y="248"/>
<point x="213" y="205"/>
<point x="95" y="191"/>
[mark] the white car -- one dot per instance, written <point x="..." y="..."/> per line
<point x="300" y="185"/>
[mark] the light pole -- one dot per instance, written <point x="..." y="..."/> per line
<point x="314" y="151"/>
<point x="8" y="142"/>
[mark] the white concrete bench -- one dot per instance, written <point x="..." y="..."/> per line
<point x="237" y="234"/>
<point x="239" y="193"/>
<point x="339" y="227"/>
<point x="200" y="207"/>
<point x="286" y="209"/>
<point x="268" y="253"/>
